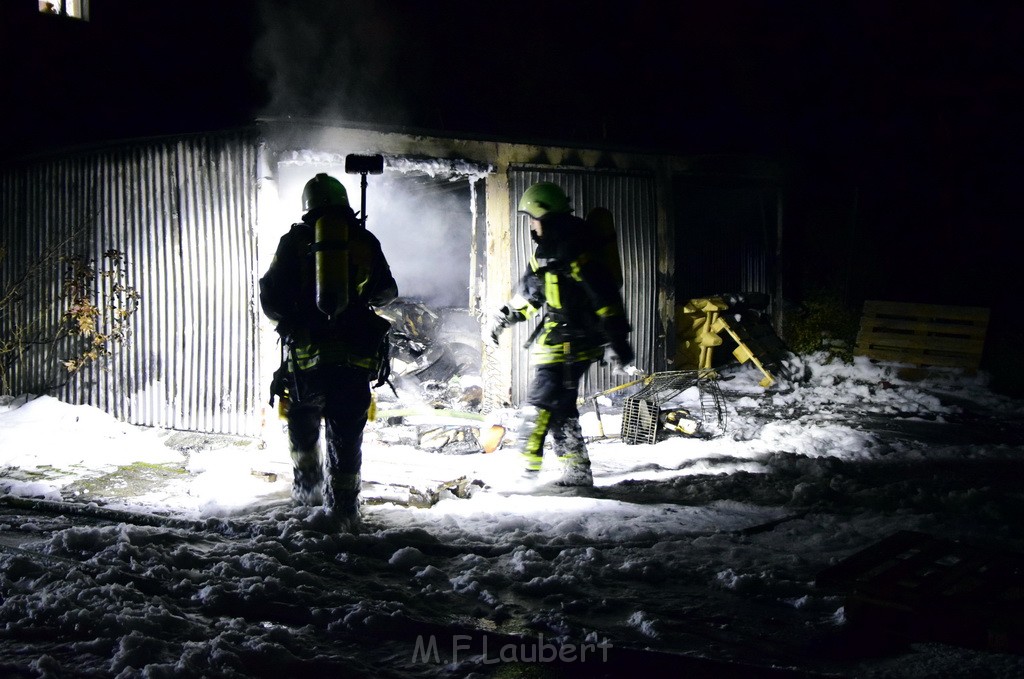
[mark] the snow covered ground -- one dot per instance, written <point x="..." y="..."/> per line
<point x="690" y="557"/>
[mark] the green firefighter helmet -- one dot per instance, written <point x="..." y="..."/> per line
<point x="544" y="198"/>
<point x="323" y="191"/>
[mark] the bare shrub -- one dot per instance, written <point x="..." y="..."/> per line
<point x="81" y="321"/>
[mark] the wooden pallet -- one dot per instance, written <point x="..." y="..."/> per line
<point x="926" y="588"/>
<point x="924" y="335"/>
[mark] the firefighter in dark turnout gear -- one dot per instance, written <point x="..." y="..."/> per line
<point x="583" y="312"/>
<point x="334" y="343"/>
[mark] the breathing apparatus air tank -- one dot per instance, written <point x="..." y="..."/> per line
<point x="330" y="241"/>
<point x="330" y="247"/>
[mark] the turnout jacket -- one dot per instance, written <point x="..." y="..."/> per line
<point x="579" y="295"/>
<point x="288" y="296"/>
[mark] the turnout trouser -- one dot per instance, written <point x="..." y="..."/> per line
<point x="552" y="409"/>
<point x="339" y="396"/>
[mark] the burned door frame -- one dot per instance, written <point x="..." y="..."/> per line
<point x="631" y="197"/>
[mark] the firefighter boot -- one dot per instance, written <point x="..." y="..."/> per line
<point x="571" y="450"/>
<point x="307" y="478"/>
<point x="341" y="496"/>
<point x="533" y="428"/>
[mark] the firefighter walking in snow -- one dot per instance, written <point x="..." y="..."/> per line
<point x="327" y="274"/>
<point x="578" y="292"/>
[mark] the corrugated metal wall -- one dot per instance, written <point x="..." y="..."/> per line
<point x="631" y="199"/>
<point x="183" y="211"/>
<point x="727" y="235"/>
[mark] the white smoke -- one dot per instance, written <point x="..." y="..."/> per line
<point x="344" y="63"/>
<point x="426" y="232"/>
<point x="331" y="60"/>
<point x="422" y="211"/>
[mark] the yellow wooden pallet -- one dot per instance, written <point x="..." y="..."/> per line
<point x="924" y="335"/>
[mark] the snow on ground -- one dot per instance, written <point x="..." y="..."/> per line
<point x="707" y="548"/>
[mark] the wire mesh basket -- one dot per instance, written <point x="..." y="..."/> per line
<point x="641" y="412"/>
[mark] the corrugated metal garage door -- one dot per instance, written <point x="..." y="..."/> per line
<point x="729" y="230"/>
<point x="631" y="199"/>
<point x="183" y="213"/>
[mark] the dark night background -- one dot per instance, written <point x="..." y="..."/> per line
<point x="898" y="123"/>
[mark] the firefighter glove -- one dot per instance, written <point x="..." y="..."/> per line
<point x="497" y="325"/>
<point x="623" y="353"/>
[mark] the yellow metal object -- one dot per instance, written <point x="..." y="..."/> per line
<point x="680" y="422"/>
<point x="696" y="340"/>
<point x="742" y="352"/>
<point x="700" y="325"/>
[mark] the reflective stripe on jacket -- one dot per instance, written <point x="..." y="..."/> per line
<point x="582" y="303"/>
